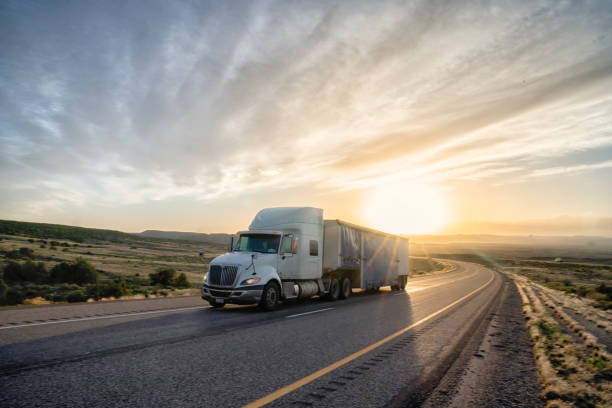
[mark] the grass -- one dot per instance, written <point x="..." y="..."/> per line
<point x="547" y="329"/>
<point x="586" y="280"/>
<point x="571" y="363"/>
<point x="116" y="256"/>
<point x="420" y="266"/>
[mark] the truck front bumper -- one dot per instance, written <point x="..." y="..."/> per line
<point x="240" y="296"/>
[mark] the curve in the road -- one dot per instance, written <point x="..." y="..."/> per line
<point x="239" y="356"/>
<point x="317" y="374"/>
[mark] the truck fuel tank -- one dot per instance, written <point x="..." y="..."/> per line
<point x="307" y="289"/>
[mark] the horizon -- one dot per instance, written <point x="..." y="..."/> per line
<point x="433" y="235"/>
<point x="413" y="119"/>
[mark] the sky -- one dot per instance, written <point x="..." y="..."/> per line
<point x="411" y="116"/>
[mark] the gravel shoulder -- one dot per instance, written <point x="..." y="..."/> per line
<point x="497" y="367"/>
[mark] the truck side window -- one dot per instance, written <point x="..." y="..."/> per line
<point x="286" y="246"/>
<point x="314" y="247"/>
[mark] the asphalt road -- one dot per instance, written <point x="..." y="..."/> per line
<point x="371" y="350"/>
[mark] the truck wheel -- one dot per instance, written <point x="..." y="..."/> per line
<point x="215" y="304"/>
<point x="345" y="288"/>
<point x="334" y="290"/>
<point x="402" y="282"/>
<point x="270" y="296"/>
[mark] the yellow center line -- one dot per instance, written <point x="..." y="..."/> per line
<point x="317" y="374"/>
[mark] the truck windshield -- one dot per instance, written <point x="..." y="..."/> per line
<point x="265" y="243"/>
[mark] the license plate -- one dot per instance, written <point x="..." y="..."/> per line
<point x="220" y="300"/>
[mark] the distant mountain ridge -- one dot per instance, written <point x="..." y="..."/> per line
<point x="528" y="240"/>
<point x="58" y="231"/>
<point x="83" y="234"/>
<point x="219" y="238"/>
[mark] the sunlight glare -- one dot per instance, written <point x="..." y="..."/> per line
<point x="406" y="209"/>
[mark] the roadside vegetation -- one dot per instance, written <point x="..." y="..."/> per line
<point x="589" y="281"/>
<point x="574" y="367"/>
<point x="426" y="265"/>
<point x="593" y="282"/>
<point x="45" y="263"/>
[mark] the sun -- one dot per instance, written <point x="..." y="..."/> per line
<point x="406" y="209"/>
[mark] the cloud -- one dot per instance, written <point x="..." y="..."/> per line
<point x="119" y="103"/>
<point x="570" y="169"/>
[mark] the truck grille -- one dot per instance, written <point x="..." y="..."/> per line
<point x="222" y="275"/>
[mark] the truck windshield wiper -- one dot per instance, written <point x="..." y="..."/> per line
<point x="262" y="252"/>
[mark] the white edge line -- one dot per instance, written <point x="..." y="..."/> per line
<point x="307" y="313"/>
<point x="103" y="317"/>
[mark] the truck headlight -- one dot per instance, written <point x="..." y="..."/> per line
<point x="250" y="281"/>
<point x="204" y="278"/>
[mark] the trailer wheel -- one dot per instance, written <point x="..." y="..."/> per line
<point x="334" y="290"/>
<point x="270" y="296"/>
<point x="345" y="288"/>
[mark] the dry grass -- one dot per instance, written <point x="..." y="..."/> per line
<point x="130" y="258"/>
<point x="573" y="366"/>
<point x="420" y="265"/>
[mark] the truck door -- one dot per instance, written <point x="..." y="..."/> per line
<point x="287" y="258"/>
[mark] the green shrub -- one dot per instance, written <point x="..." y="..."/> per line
<point x="76" y="296"/>
<point x="547" y="329"/>
<point x="26" y="253"/>
<point x="79" y="271"/>
<point x="182" y="282"/>
<point x="21" y="253"/>
<point x="14" y="296"/>
<point x="34" y="272"/>
<point x="597" y="362"/>
<point x="30" y="290"/>
<point x="164" y="276"/>
<point x="582" y="290"/>
<point x="606" y="290"/>
<point x="114" y="289"/>
<point x="12" y="272"/>
<point x="3" y="290"/>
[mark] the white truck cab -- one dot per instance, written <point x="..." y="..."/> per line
<point x="281" y="256"/>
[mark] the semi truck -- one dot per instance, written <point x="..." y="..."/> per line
<point x="292" y="253"/>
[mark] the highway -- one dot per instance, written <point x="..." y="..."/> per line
<point x="375" y="350"/>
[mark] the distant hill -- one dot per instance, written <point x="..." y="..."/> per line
<point x="81" y="234"/>
<point x="187" y="236"/>
<point x="77" y="234"/>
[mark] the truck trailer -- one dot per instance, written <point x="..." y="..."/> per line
<point x="292" y="252"/>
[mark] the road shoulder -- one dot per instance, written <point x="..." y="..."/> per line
<point x="497" y="368"/>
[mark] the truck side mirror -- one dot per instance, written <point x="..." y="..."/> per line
<point x="202" y="256"/>
<point x="230" y="244"/>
